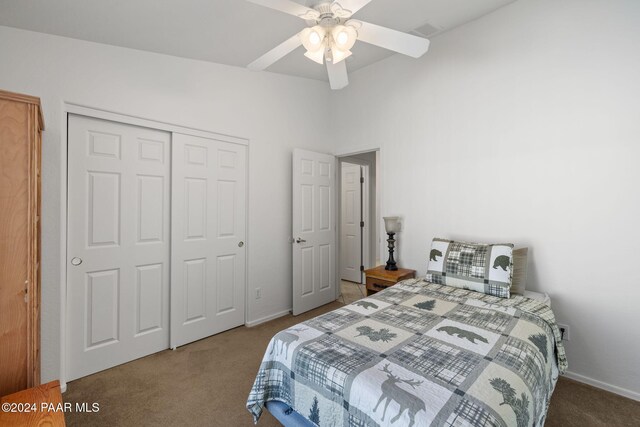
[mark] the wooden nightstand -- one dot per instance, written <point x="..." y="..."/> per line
<point x="379" y="279"/>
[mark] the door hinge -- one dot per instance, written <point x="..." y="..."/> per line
<point x="362" y="224"/>
<point x="362" y="268"/>
<point x="361" y="180"/>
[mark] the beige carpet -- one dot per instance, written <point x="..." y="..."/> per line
<point x="206" y="383"/>
<point x="351" y="292"/>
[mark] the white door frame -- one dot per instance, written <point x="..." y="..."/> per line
<point x="340" y="155"/>
<point x="366" y="217"/>
<point x="82" y="110"/>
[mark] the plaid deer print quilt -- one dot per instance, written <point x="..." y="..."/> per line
<point x="417" y="354"/>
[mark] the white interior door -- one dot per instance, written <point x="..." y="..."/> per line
<point x="350" y="223"/>
<point x="314" y="232"/>
<point x="208" y="225"/>
<point x="118" y="244"/>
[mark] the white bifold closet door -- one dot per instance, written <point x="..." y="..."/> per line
<point x="118" y="244"/>
<point x="208" y="233"/>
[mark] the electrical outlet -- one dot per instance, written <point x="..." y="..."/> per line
<point x="564" y="331"/>
<point x="258" y="293"/>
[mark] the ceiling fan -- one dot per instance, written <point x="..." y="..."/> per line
<point x="331" y="33"/>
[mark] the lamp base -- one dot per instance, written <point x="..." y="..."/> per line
<point x="391" y="263"/>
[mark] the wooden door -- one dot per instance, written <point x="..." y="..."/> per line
<point x="20" y="129"/>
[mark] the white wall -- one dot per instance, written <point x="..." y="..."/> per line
<point x="523" y="126"/>
<point x="271" y="110"/>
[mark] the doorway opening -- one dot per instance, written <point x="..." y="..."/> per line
<point x="359" y="221"/>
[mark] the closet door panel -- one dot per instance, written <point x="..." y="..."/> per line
<point x="231" y="234"/>
<point x="208" y="233"/>
<point x="118" y="244"/>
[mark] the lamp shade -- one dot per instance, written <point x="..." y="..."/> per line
<point x="392" y="224"/>
<point x="317" y="56"/>
<point x="344" y="37"/>
<point x="338" y="55"/>
<point x="313" y="38"/>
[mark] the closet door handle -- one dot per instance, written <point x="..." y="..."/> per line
<point x="299" y="240"/>
<point x="75" y="261"/>
<point x="241" y="244"/>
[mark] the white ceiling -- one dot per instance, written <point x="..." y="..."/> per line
<point x="233" y="32"/>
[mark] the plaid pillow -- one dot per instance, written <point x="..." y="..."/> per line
<point x="475" y="266"/>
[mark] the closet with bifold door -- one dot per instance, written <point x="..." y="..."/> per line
<point x="155" y="241"/>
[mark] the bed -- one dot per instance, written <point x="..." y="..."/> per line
<point x="415" y="354"/>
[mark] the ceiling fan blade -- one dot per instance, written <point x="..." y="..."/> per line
<point x="387" y="38"/>
<point x="286" y="6"/>
<point x="338" y="78"/>
<point x="276" y="53"/>
<point x="353" y="5"/>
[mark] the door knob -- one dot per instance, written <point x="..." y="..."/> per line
<point x="241" y="244"/>
<point x="76" y="261"/>
<point x="299" y="240"/>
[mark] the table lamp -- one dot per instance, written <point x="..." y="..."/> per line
<point x="392" y="226"/>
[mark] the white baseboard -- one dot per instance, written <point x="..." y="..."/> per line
<point x="63" y="387"/>
<point x="267" y="318"/>
<point x="604" y="386"/>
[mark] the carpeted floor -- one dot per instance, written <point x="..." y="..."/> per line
<point x="206" y="383"/>
<point x="350" y="292"/>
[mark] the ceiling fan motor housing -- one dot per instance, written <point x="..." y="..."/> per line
<point x="327" y="14"/>
<point x="319" y="4"/>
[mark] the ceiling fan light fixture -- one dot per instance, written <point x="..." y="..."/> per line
<point x="338" y="55"/>
<point x="316" y="56"/>
<point x="344" y="37"/>
<point x="313" y="38"/>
